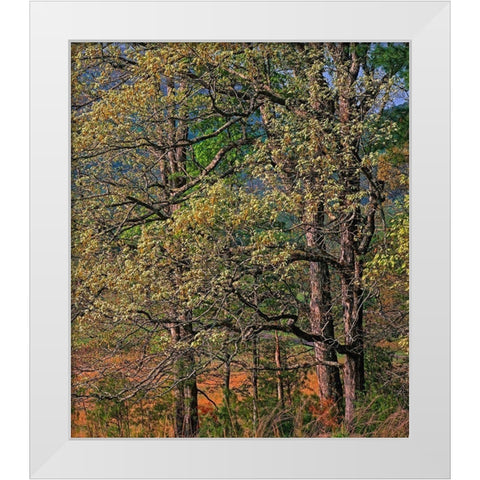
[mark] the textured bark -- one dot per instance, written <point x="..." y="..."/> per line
<point x="351" y="278"/>
<point x="190" y="417"/>
<point x="255" y="383"/>
<point x="226" y="381"/>
<point x="278" y="363"/>
<point x="186" y="390"/>
<point x="321" y="319"/>
<point x="348" y="65"/>
<point x="229" y="427"/>
<point x="178" y="390"/>
<point x="320" y="315"/>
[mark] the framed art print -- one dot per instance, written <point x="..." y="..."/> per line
<point x="240" y="239"/>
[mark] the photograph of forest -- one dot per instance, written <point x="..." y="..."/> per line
<point x="239" y="239"/>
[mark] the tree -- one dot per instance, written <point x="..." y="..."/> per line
<point x="143" y="139"/>
<point x="224" y="191"/>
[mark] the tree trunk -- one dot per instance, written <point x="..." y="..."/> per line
<point x="229" y="427"/>
<point x="186" y="392"/>
<point x="190" y="417"/>
<point x="354" y="370"/>
<point x="226" y="381"/>
<point x="348" y="69"/>
<point x="278" y="363"/>
<point x="255" y="384"/>
<point x="179" y="407"/>
<point x="321" y="319"/>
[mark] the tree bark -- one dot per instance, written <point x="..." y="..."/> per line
<point x="351" y="288"/>
<point x="179" y="402"/>
<point x="348" y="68"/>
<point x="321" y="319"/>
<point x="255" y="384"/>
<point x="278" y="363"/>
<point x="186" y="392"/>
<point x="226" y="381"/>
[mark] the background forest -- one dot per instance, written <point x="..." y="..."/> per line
<point x="239" y="239"/>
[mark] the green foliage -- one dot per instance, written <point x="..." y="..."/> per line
<point x="391" y="259"/>
<point x="208" y="180"/>
<point x="393" y="58"/>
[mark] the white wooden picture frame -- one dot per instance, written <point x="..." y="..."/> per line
<point x="426" y="453"/>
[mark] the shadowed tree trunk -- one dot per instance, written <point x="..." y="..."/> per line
<point x="226" y="380"/>
<point x="178" y="390"/>
<point x="255" y="383"/>
<point x="186" y="391"/>
<point x="354" y="376"/>
<point x="321" y="319"/>
<point x="230" y="426"/>
<point x="278" y="363"/>
<point x="190" y="390"/>
<point x="348" y="68"/>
